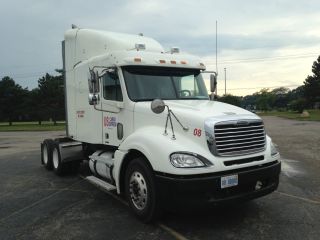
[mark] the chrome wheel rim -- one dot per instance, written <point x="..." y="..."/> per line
<point x="45" y="154"/>
<point x="55" y="158"/>
<point x="138" y="190"/>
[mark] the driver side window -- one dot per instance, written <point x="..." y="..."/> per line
<point x="111" y="87"/>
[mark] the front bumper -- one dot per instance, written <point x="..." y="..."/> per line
<point x="206" y="188"/>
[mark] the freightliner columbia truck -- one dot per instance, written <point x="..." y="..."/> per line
<point x="143" y="119"/>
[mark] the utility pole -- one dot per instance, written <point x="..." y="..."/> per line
<point x="225" y="81"/>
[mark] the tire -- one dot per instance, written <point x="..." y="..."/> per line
<point x="140" y="190"/>
<point x="46" y="153"/>
<point x="59" y="167"/>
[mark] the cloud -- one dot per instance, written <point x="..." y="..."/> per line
<point x="31" y="32"/>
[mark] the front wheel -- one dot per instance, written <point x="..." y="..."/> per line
<point x="140" y="189"/>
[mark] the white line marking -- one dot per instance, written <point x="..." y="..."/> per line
<point x="169" y="230"/>
<point x="173" y="232"/>
<point x="39" y="201"/>
<point x="300" y="198"/>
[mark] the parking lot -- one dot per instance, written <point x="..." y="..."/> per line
<point x="36" y="204"/>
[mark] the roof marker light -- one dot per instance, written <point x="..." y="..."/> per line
<point x="162" y="61"/>
<point x="175" y="50"/>
<point x="137" y="59"/>
<point x="140" y="46"/>
<point x="173" y="62"/>
<point x="183" y="62"/>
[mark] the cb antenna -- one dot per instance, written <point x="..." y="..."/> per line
<point x="217" y="53"/>
<point x="217" y="47"/>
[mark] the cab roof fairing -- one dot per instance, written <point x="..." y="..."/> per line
<point x="127" y="58"/>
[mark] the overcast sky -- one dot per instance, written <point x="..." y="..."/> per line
<point x="260" y="43"/>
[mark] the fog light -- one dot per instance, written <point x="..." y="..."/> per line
<point x="258" y="185"/>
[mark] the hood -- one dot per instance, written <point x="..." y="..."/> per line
<point x="195" y="112"/>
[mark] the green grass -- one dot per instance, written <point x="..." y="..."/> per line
<point x="314" y="115"/>
<point x="31" y="126"/>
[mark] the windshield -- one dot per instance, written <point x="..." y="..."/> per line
<point x="148" y="83"/>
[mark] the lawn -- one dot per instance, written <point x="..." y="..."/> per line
<point x="314" y="115"/>
<point x="31" y="126"/>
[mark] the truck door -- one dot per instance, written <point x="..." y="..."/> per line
<point x="112" y="106"/>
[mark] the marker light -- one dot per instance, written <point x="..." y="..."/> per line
<point x="274" y="150"/>
<point x="162" y="61"/>
<point x="173" y="62"/>
<point x="137" y="59"/>
<point x="183" y="62"/>
<point x="175" y="50"/>
<point x="140" y="46"/>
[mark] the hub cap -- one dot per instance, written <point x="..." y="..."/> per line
<point x="55" y="158"/>
<point x="45" y="154"/>
<point x="138" y="190"/>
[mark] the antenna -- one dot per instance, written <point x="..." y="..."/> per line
<point x="217" y="47"/>
<point x="217" y="54"/>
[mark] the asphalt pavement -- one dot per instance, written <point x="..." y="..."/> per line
<point x="36" y="204"/>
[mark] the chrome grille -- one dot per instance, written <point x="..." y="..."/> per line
<point x="236" y="138"/>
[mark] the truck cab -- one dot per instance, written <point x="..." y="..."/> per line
<point x="144" y="120"/>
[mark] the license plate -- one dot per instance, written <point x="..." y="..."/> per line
<point x="229" y="181"/>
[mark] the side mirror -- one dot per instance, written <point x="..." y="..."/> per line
<point x="93" y="76"/>
<point x="93" y="81"/>
<point x="94" y="98"/>
<point x="213" y="82"/>
<point x="157" y="106"/>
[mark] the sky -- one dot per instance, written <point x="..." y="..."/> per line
<point x="262" y="44"/>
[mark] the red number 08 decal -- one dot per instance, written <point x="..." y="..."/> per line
<point x="197" y="132"/>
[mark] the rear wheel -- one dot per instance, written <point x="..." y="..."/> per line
<point x="58" y="166"/>
<point x="46" y="153"/>
<point x="140" y="189"/>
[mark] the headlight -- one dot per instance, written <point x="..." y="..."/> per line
<point x="188" y="160"/>
<point x="274" y="150"/>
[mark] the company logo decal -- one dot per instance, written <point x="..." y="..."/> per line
<point x="80" y="114"/>
<point x="110" y="122"/>
<point x="242" y="123"/>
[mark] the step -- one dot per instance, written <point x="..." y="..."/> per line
<point x="100" y="183"/>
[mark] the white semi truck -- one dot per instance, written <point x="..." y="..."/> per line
<point x="143" y="119"/>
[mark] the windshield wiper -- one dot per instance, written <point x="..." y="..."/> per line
<point x="143" y="100"/>
<point x="193" y="98"/>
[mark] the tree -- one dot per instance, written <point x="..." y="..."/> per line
<point x="296" y="93"/>
<point x="280" y="97"/>
<point x="265" y="99"/>
<point x="249" y="102"/>
<point x="36" y="106"/>
<point x="51" y="95"/>
<point x="231" y="99"/>
<point x="312" y="85"/>
<point x="298" y="104"/>
<point x="12" y="100"/>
